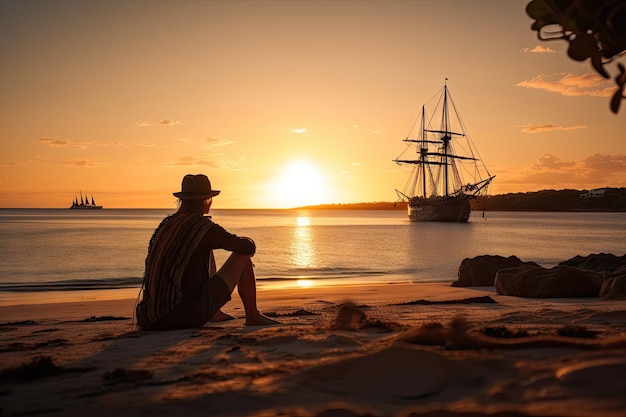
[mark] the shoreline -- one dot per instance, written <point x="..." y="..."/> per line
<point x="52" y="300"/>
<point x="21" y="297"/>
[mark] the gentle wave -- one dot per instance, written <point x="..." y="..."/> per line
<point x="72" y="285"/>
<point x="325" y="273"/>
<point x="135" y="282"/>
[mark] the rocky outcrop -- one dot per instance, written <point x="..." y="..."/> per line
<point x="614" y="285"/>
<point x="599" y="262"/>
<point x="538" y="282"/>
<point x="481" y="270"/>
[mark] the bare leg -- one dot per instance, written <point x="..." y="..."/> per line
<point x="238" y="271"/>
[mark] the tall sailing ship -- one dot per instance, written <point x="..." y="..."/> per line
<point x="440" y="158"/>
<point x="84" y="203"/>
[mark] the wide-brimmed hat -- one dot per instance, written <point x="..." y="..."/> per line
<point x="196" y="187"/>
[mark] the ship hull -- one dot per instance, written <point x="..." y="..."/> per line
<point x="439" y="209"/>
<point x="85" y="207"/>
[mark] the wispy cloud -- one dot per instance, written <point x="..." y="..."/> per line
<point x="550" y="171"/>
<point x="8" y="164"/>
<point x="167" y="122"/>
<point x="218" y="142"/>
<point x="538" y="50"/>
<point x="571" y="84"/>
<point x="164" y="122"/>
<point x="81" y="163"/>
<point x="300" y="130"/>
<point x="550" y="128"/>
<point x="56" y="143"/>
<point x="64" y="143"/>
<point x="192" y="161"/>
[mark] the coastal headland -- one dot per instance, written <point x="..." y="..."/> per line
<point x="600" y="200"/>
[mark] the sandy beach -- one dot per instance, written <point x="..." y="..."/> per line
<point x="423" y="349"/>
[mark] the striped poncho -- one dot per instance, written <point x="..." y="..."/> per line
<point x="170" y="249"/>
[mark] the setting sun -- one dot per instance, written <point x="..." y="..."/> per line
<point x="299" y="183"/>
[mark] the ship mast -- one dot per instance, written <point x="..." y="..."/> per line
<point x="446" y="156"/>
<point x="423" y="152"/>
<point x="446" y="134"/>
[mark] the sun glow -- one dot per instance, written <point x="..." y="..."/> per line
<point x="306" y="283"/>
<point x="303" y="221"/>
<point x="299" y="183"/>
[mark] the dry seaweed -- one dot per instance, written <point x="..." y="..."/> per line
<point x="483" y="300"/>
<point x="37" y="368"/>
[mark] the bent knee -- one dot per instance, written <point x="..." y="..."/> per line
<point x="236" y="264"/>
<point x="239" y="258"/>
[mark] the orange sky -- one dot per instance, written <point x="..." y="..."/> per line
<point x="284" y="103"/>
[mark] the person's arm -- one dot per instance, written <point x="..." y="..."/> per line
<point x="218" y="238"/>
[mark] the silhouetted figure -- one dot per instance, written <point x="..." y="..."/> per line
<point x="181" y="287"/>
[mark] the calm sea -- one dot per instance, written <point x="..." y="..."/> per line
<point x="60" y="250"/>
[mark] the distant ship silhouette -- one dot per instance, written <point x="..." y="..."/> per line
<point x="84" y="203"/>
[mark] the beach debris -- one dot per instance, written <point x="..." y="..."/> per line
<point x="349" y="317"/>
<point x="300" y="312"/>
<point x="19" y="323"/>
<point x="459" y="336"/>
<point x="104" y="318"/>
<point x="50" y="330"/>
<point x="504" y="332"/>
<point x="122" y="375"/>
<point x="343" y="411"/>
<point x="20" y="346"/>
<point x="457" y="413"/>
<point x="37" y="368"/>
<point x="383" y="325"/>
<point x="484" y="300"/>
<point x="577" y="331"/>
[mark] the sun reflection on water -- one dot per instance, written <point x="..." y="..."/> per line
<point x="303" y="221"/>
<point x="303" y="253"/>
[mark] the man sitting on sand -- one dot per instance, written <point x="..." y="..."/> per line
<point x="181" y="288"/>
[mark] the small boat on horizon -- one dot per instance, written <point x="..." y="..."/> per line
<point x="436" y="190"/>
<point x="84" y="203"/>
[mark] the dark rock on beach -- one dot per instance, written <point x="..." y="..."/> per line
<point x="538" y="282"/>
<point x="599" y="262"/>
<point x="614" y="285"/>
<point x="481" y="270"/>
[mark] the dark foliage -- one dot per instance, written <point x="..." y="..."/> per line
<point x="595" y="30"/>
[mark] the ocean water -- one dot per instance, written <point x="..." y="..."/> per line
<point x="59" y="250"/>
